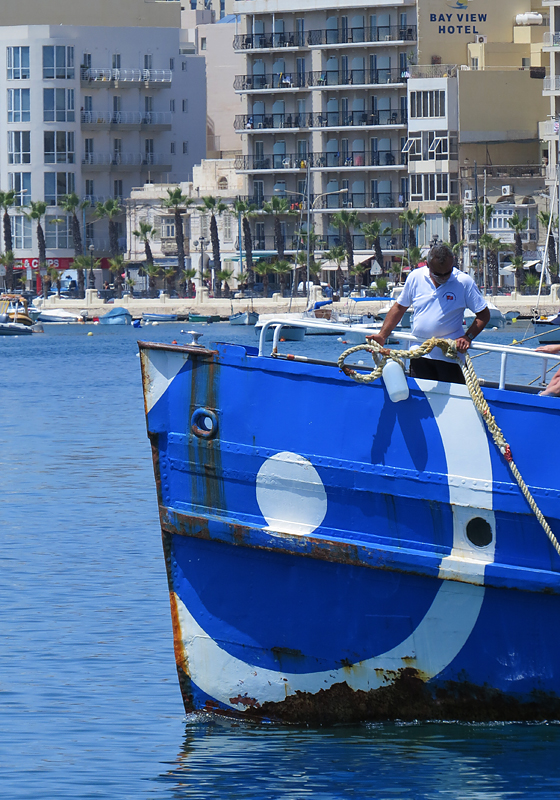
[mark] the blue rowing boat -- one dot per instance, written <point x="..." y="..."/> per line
<point x="335" y="556"/>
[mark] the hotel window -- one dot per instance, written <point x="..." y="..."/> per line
<point x="22" y="232"/>
<point x="168" y="228"/>
<point x="90" y="230"/>
<point x="171" y="64"/>
<point x="19" y="147"/>
<point x="17" y="63"/>
<point x="427" y="104"/>
<point x="57" y="185"/>
<point x="185" y="148"/>
<point x="58" y="62"/>
<point x="57" y="232"/>
<point x="90" y="189"/>
<point x="172" y="105"/>
<point x="59" y="147"/>
<point x="118" y="189"/>
<point x="185" y="106"/>
<point x="58" y="105"/>
<point x="116" y="61"/>
<point x="148" y="61"/>
<point x="86" y="61"/>
<point x="227" y="227"/>
<point x="19" y="105"/>
<point x="172" y="148"/>
<point x="20" y="183"/>
<point x="203" y="43"/>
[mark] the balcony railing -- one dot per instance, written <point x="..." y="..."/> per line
<point x="127" y="75"/>
<point x="268" y="41"/>
<point x="361" y="200"/>
<point x="125" y="159"/>
<point x="283" y="80"/>
<point x="126" y="117"/>
<point x="380" y="158"/>
<point x="363" y="77"/>
<point x="433" y="70"/>
<point x="551" y="83"/>
<point x="381" y="33"/>
<point x="503" y="171"/>
<point x="551" y="39"/>
<point x="333" y="119"/>
<point x="273" y="161"/>
<point x="294" y="202"/>
<point x="270" y="121"/>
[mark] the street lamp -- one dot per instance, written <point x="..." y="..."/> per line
<point x="91" y="278"/>
<point x="310" y="209"/>
<point x="201" y="243"/>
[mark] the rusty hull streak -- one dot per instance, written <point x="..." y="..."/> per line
<point x="406" y="698"/>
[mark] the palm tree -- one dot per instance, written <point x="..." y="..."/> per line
<point x="215" y="206"/>
<point x="116" y="265"/>
<point x="544" y="219"/>
<point x="452" y="213"/>
<point x="278" y="206"/>
<point x="48" y="279"/>
<point x="412" y="219"/>
<point x="7" y="260"/>
<point x="110" y="209"/>
<point x="493" y="247"/>
<point x="145" y="232"/>
<point x="224" y="275"/>
<point x="55" y="276"/>
<point x="187" y="276"/>
<point x="517" y="262"/>
<point x="82" y="264"/>
<point x="247" y="210"/>
<point x="372" y="232"/>
<point x="358" y="272"/>
<point x="262" y="269"/>
<point x="7" y="200"/>
<point x="348" y="221"/>
<point x="169" y="276"/>
<point x="38" y="210"/>
<point x="153" y="272"/>
<point x="283" y="268"/>
<point x="178" y="202"/>
<point x="130" y="283"/>
<point x="338" y="254"/>
<point x="69" y="204"/>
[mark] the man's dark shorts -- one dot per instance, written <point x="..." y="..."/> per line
<point x="434" y="369"/>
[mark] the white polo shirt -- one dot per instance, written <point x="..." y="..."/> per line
<point x="439" y="310"/>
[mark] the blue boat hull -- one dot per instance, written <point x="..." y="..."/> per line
<point x="324" y="572"/>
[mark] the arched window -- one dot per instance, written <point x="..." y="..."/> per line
<point x="222" y="184"/>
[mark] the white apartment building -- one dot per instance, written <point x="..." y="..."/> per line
<point x="325" y="87"/>
<point x="94" y="110"/>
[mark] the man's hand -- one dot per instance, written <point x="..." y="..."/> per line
<point x="376" y="338"/>
<point x="548" y="348"/>
<point x="462" y="344"/>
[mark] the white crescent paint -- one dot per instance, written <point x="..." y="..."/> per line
<point x="447" y="625"/>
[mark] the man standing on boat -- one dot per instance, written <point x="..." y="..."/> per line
<point x="439" y="293"/>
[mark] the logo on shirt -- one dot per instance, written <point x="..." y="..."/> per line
<point x="450" y="296"/>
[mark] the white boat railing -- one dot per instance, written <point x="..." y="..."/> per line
<point x="504" y="350"/>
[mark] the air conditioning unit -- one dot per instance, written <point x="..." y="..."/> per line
<point x="507" y="190"/>
<point x="481" y="39"/>
<point x="469" y="195"/>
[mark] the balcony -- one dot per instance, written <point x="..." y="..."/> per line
<point x="358" y="160"/>
<point x="125" y="162"/>
<point x="504" y="171"/>
<point x="276" y="161"/>
<point x="126" y="120"/>
<point x="295" y="202"/>
<point x="353" y="36"/>
<point x="551" y="39"/>
<point x="433" y="70"/>
<point x="268" y="41"/>
<point x="260" y="122"/>
<point x="361" y="200"/>
<point x="359" y="119"/>
<point x="264" y="82"/>
<point x="118" y="78"/>
<point x="551" y="83"/>
<point x="356" y="77"/>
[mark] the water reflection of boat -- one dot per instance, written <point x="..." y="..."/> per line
<point x="116" y="316"/>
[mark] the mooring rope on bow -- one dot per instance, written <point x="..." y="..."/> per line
<point x="382" y="355"/>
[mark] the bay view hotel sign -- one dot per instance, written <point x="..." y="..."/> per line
<point x="445" y="24"/>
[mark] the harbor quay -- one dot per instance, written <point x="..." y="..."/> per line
<point x="95" y="306"/>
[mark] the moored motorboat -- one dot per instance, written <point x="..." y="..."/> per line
<point x="204" y="317"/>
<point x="148" y="317"/>
<point x="244" y="318"/>
<point x="58" y="315"/>
<point x="547" y="327"/>
<point x="15" y="307"/>
<point x="15" y="329"/>
<point x="116" y="316"/>
<point x="322" y="570"/>
<point x="497" y="319"/>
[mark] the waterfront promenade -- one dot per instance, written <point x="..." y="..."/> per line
<point x="95" y="307"/>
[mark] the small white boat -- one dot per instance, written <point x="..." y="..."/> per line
<point x="58" y="315"/>
<point x="244" y="318"/>
<point x="548" y="329"/>
<point x="497" y="319"/>
<point x="147" y="317"/>
<point x="14" y="329"/>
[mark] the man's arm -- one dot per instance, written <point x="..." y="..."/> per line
<point x="480" y="321"/>
<point x="392" y="319"/>
<point x="549" y="348"/>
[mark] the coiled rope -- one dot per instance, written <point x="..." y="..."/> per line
<point x="382" y="355"/>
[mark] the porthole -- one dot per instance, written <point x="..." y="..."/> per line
<point x="479" y="532"/>
<point x="204" y="423"/>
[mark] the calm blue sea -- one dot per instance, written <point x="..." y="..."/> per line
<point x="89" y="700"/>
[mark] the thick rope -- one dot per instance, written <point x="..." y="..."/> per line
<point x="381" y="356"/>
